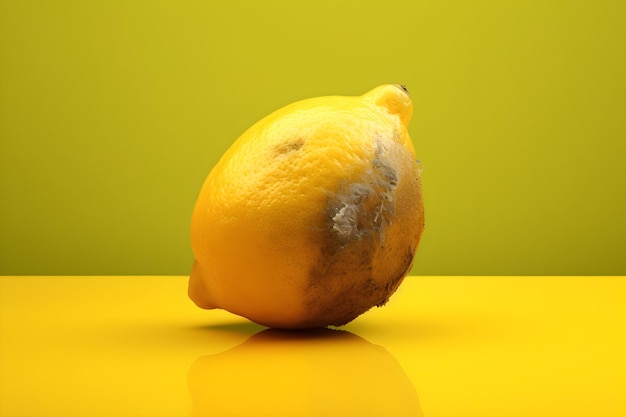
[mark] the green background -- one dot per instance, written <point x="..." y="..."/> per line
<point x="112" y="113"/>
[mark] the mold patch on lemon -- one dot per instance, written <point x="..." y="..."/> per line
<point x="363" y="208"/>
<point x="314" y="214"/>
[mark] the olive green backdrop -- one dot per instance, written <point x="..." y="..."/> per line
<point x="113" y="112"/>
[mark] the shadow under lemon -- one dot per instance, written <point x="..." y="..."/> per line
<point x="317" y="372"/>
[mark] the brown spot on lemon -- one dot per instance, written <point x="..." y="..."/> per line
<point x="289" y="146"/>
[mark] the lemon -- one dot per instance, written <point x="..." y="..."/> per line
<point x="313" y="215"/>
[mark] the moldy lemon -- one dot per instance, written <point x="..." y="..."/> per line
<point x="313" y="215"/>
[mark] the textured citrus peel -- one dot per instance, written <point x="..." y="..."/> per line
<point x="314" y="214"/>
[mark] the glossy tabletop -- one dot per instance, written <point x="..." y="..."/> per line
<point x="442" y="346"/>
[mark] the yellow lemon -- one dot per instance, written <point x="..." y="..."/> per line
<point x="314" y="214"/>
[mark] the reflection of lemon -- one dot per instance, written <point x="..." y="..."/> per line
<point x="314" y="214"/>
<point x="319" y="372"/>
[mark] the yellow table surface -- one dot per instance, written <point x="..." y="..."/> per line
<point x="443" y="346"/>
